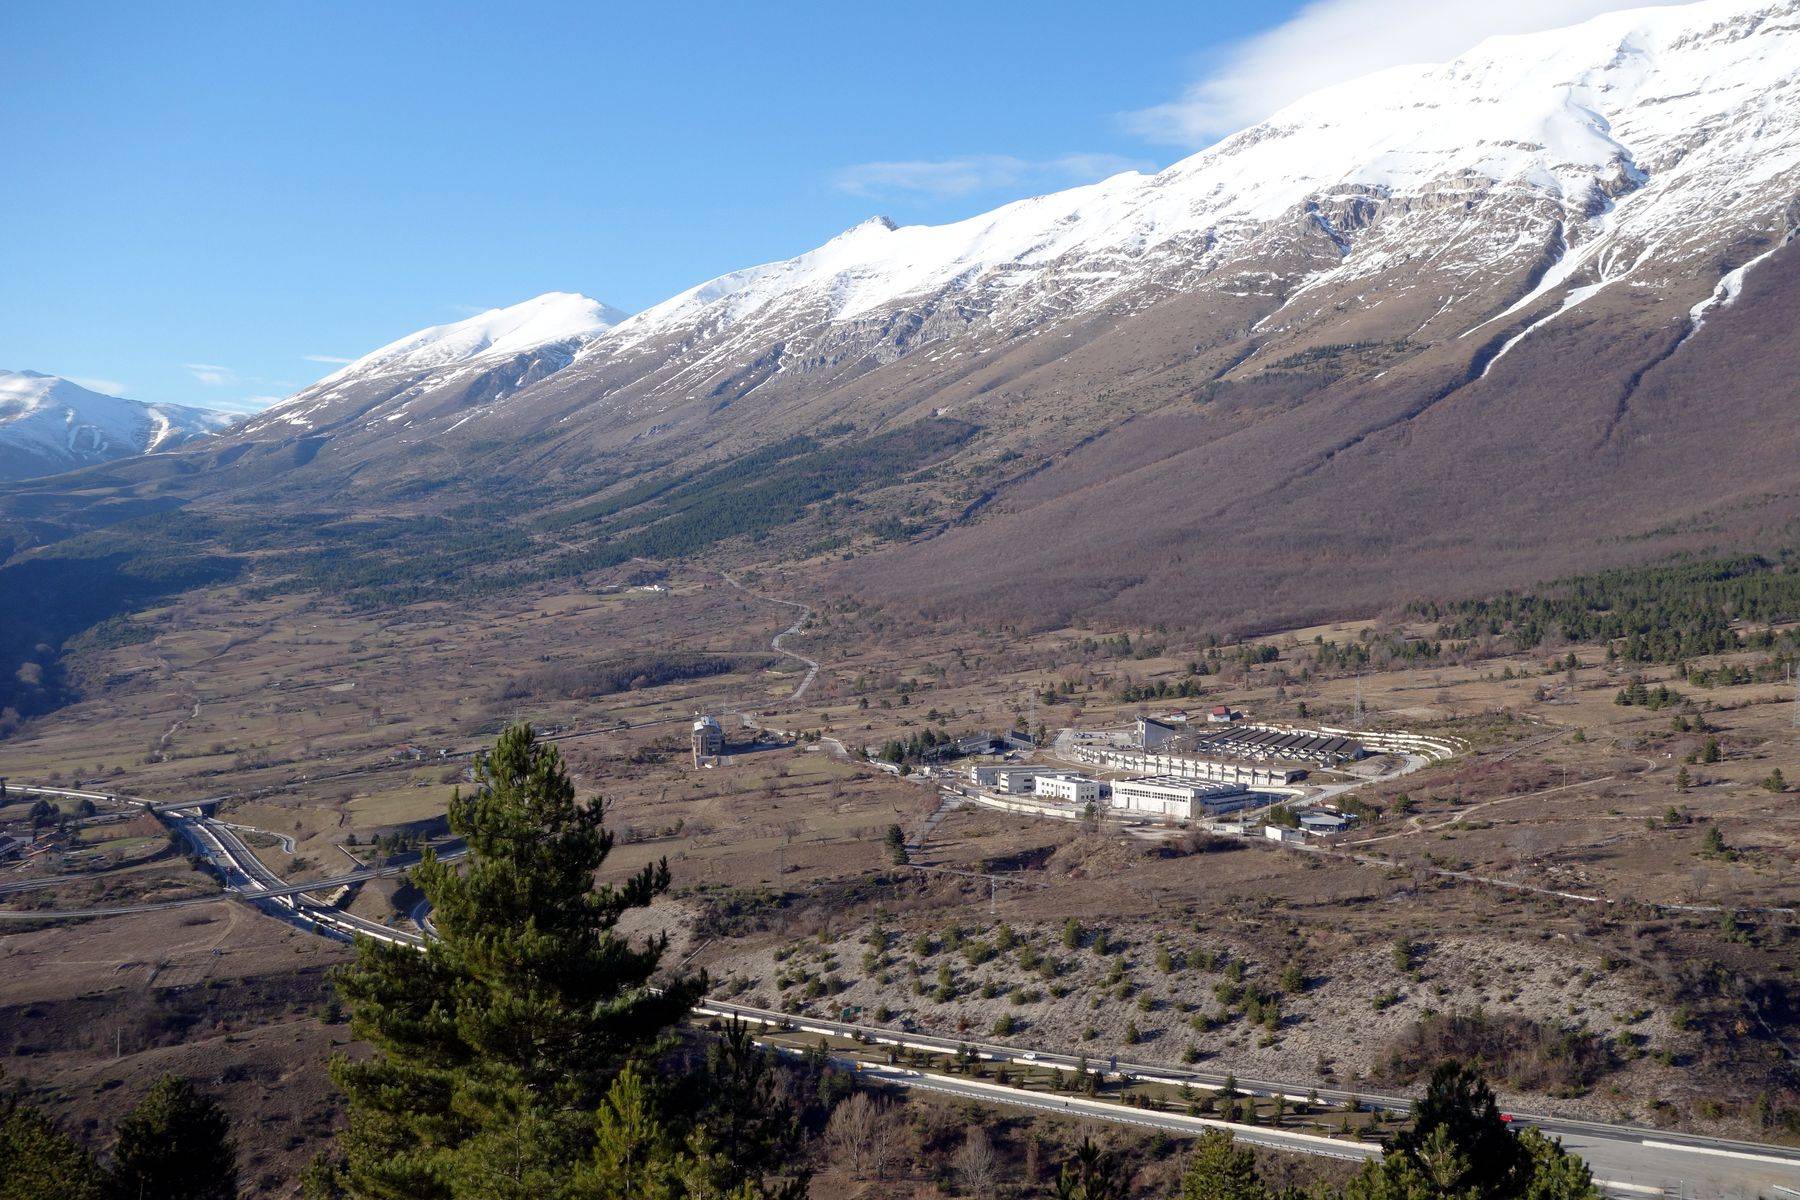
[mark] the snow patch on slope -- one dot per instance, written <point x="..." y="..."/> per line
<point x="1731" y="285"/>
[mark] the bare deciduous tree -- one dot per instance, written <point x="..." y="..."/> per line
<point x="977" y="1166"/>
<point x="863" y="1134"/>
<point x="887" y="1144"/>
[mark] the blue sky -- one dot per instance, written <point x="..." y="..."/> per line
<point x="208" y="203"/>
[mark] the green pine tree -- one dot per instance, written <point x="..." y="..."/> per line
<point x="1458" y="1148"/>
<point x="495" y="1046"/>
<point x="1093" y="1174"/>
<point x="748" y="1136"/>
<point x="1461" y="1104"/>
<point x="175" y="1145"/>
<point x="1435" y="1169"/>
<point x="1555" y="1173"/>
<point x="634" y="1156"/>
<point x="38" y="1161"/>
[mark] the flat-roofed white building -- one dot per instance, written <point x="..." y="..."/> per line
<point x="1324" y="824"/>
<point x="1068" y="787"/>
<point x="1008" y="780"/>
<point x="1172" y="799"/>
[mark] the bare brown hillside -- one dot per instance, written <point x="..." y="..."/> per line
<point x="1291" y="495"/>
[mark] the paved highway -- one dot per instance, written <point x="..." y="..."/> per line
<point x="1632" y="1161"/>
<point x="244" y="875"/>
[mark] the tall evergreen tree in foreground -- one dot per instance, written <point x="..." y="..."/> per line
<point x="495" y="1048"/>
<point x="1218" y="1170"/>
<point x="1458" y="1148"/>
<point x="175" y="1145"/>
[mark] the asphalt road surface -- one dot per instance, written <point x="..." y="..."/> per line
<point x="1632" y="1161"/>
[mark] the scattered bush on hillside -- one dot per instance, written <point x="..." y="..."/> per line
<point x="1514" y="1050"/>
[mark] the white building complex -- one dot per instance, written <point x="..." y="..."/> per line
<point x="1009" y="780"/>
<point x="1181" y="766"/>
<point x="1169" y="798"/>
<point x="1067" y="787"/>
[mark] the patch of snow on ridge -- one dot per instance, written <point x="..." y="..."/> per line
<point x="552" y="318"/>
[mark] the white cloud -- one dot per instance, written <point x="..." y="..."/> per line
<point x="245" y="404"/>
<point x="948" y="178"/>
<point x="333" y="359"/>
<point x="211" y="374"/>
<point x="1330" y="41"/>
<point x="111" y="387"/>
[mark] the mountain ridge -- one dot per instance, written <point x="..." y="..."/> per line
<point x="49" y="424"/>
<point x="1600" y="142"/>
<point x="1497" y="272"/>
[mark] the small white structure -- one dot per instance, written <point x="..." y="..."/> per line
<point x="1281" y="833"/>
<point x="1169" y="798"/>
<point x="1067" y="787"/>
<point x="1324" y="824"/>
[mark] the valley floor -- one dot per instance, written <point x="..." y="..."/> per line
<point x="1662" y="998"/>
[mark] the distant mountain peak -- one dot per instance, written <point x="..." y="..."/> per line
<point x="50" y="424"/>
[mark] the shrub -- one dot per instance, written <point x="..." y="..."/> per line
<point x="1514" y="1050"/>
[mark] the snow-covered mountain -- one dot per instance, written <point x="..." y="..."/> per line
<point x="49" y="424"/>
<point x="505" y="348"/>
<point x="553" y="319"/>
<point x="1638" y="140"/>
<point x="1447" y="305"/>
<point x="1489" y="195"/>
